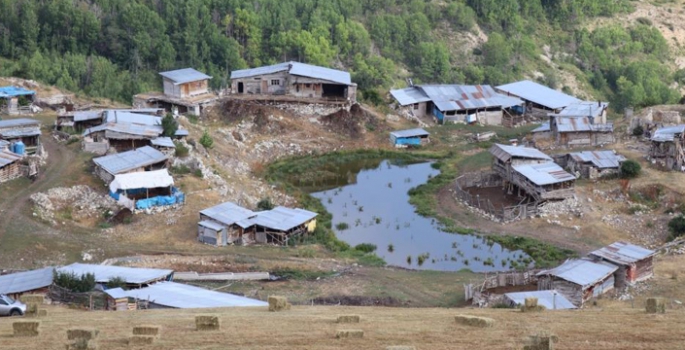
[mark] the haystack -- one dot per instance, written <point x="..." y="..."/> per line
<point x="349" y="319"/>
<point x="146" y="330"/>
<point x="26" y="328"/>
<point x="656" y="306"/>
<point x="32" y="298"/>
<point x="349" y="333"/>
<point x="207" y="323"/>
<point x="277" y="303"/>
<point x="474" y="321"/>
<point x="138" y="340"/>
<point x="82" y="344"/>
<point x="87" y="334"/>
<point x="531" y="305"/>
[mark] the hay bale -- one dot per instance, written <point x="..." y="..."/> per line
<point x="400" y="347"/>
<point x="656" y="306"/>
<point x="146" y="330"/>
<point x="42" y="313"/>
<point x="542" y="341"/>
<point x="82" y="344"/>
<point x="207" y="323"/>
<point x="349" y="333"/>
<point x="536" y="308"/>
<point x="137" y="340"/>
<point x="531" y="302"/>
<point x="349" y="319"/>
<point x="26" y="328"/>
<point x="277" y="303"/>
<point x="81" y="333"/>
<point x="32" y="298"/>
<point x="31" y="310"/>
<point x="474" y="321"/>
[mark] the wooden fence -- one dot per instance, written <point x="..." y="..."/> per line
<point x="479" y="293"/>
<point x="489" y="180"/>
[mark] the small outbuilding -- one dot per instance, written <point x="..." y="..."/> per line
<point x="579" y="131"/>
<point x="550" y="299"/>
<point x="10" y="166"/>
<point x="595" y="111"/>
<point x="224" y="224"/>
<point x="145" y="190"/>
<point x="579" y="280"/>
<point x="634" y="263"/>
<point x="667" y="148"/>
<point x="280" y="224"/>
<point x="165" y="145"/>
<point x="411" y="137"/>
<point x="16" y="100"/>
<point x="24" y="130"/>
<point x="142" y="159"/>
<point x="593" y="164"/>
<point x="34" y="281"/>
<point x="185" y="91"/>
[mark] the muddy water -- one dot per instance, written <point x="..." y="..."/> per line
<point x="370" y="204"/>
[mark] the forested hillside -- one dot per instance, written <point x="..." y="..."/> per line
<point x="114" y="48"/>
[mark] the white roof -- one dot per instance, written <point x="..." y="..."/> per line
<point x="582" y="272"/>
<point x="668" y="133"/>
<point x="280" y="218"/>
<point x="183" y="296"/>
<point x="144" y="179"/>
<point x="544" y="174"/>
<point x="584" y="109"/>
<point x="409" y="96"/>
<point x="410" y="133"/>
<point x="540" y="94"/>
<point x="545" y="298"/>
<point x="104" y="273"/>
<point x="122" y="162"/>
<point x="163" y="142"/>
<point x="228" y="213"/>
<point x="26" y="281"/>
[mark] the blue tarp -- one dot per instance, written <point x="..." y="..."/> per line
<point x="13" y="91"/>
<point x="176" y="197"/>
<point x="416" y="141"/>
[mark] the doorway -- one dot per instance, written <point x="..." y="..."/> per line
<point x="240" y="88"/>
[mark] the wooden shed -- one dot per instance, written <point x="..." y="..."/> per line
<point x="634" y="263"/>
<point x="10" y="167"/>
<point x="225" y="224"/>
<point x="593" y="164"/>
<point x="578" y="280"/>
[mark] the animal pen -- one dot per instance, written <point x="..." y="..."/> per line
<point x="527" y="207"/>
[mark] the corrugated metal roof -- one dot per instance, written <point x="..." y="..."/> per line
<point x="184" y="296"/>
<point x="145" y="179"/>
<point x="26" y="281"/>
<point x="211" y="225"/>
<point x="410" y="133"/>
<point x="114" y="116"/>
<point x="545" y="298"/>
<point x="506" y="152"/>
<point x="582" y="272"/>
<point x="122" y="162"/>
<point x="540" y="94"/>
<point x="280" y="218"/>
<point x="579" y="124"/>
<point x="668" y="133"/>
<point x="623" y="253"/>
<point x="299" y="69"/>
<point x="544" y="174"/>
<point x="20" y="132"/>
<point x="185" y="75"/>
<point x="465" y="97"/>
<point x="7" y="157"/>
<point x="4" y="144"/>
<point x="182" y="132"/>
<point x="104" y="273"/>
<point x="542" y="128"/>
<point x="163" y="142"/>
<point x="228" y="213"/>
<point x="19" y="122"/>
<point x="12" y="91"/>
<point x="87" y="115"/>
<point x="600" y="159"/>
<point x="584" y="109"/>
<point x="409" y="96"/>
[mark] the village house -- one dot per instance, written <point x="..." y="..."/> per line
<point x="533" y="172"/>
<point x="10" y="167"/>
<point x="579" y="131"/>
<point x="408" y="138"/>
<point x="578" y="280"/>
<point x="138" y="160"/>
<point x="596" y="112"/>
<point x="460" y="104"/>
<point x="78" y="121"/>
<point x="550" y="299"/>
<point x="295" y="79"/>
<point x="666" y="149"/>
<point x="22" y="131"/>
<point x="592" y="164"/>
<point x="145" y="190"/>
<point x="26" y="282"/>
<point x="539" y="99"/>
<point x="634" y="263"/>
<point x="185" y="91"/>
<point x="228" y="223"/>
<point x="16" y="100"/>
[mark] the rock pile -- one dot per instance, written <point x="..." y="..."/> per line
<point x="79" y="201"/>
<point x="570" y="206"/>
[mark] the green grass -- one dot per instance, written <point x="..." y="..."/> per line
<point x="299" y="274"/>
<point x="544" y="254"/>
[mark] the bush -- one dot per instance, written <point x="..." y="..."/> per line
<point x="677" y="227"/>
<point x="265" y="204"/>
<point x="169" y="125"/>
<point x="365" y="247"/>
<point x="181" y="150"/>
<point x="116" y="282"/>
<point x="638" y="131"/>
<point x="206" y="141"/>
<point x="630" y="169"/>
<point x="74" y="283"/>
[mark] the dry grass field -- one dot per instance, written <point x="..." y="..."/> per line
<point x="315" y="328"/>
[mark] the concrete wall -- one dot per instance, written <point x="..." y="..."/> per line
<point x="490" y="118"/>
<point x="263" y="84"/>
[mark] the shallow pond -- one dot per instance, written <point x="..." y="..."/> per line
<point x="369" y="201"/>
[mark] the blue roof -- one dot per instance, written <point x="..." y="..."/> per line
<point x="299" y="69"/>
<point x="545" y="298"/>
<point x="185" y="75"/>
<point x="122" y="162"/>
<point x="12" y="91"/>
<point x="19" y="122"/>
<point x="542" y="128"/>
<point x="410" y="133"/>
<point x="280" y="218"/>
<point x="506" y="152"/>
<point x="163" y="142"/>
<point x="540" y="94"/>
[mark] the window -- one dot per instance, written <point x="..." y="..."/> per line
<point x="3" y="302"/>
<point x="416" y="106"/>
<point x="275" y="82"/>
<point x="307" y="86"/>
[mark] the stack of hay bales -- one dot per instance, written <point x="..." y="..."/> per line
<point x="144" y="335"/>
<point x="656" y="306"/>
<point x="474" y="321"/>
<point x="349" y="319"/>
<point x="26" y="328"/>
<point x="542" y="341"/>
<point x="531" y="305"/>
<point x="82" y="339"/>
<point x="349" y="333"/>
<point x="277" y="303"/>
<point x="207" y="323"/>
<point x="33" y="302"/>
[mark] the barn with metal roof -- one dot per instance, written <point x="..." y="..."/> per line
<point x="592" y="164"/>
<point x="578" y="280"/>
<point x="634" y="263"/>
<point x="33" y="281"/>
<point x="538" y="96"/>
<point x="141" y="159"/>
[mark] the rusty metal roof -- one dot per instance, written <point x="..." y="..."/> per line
<point x="582" y="272"/>
<point x="579" y="124"/>
<point x="506" y="152"/>
<point x="466" y="97"/>
<point x="623" y="253"/>
<point x="544" y="174"/>
<point x="600" y="159"/>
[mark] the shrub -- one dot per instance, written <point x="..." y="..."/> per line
<point x="74" y="283"/>
<point x="265" y="204"/>
<point x="630" y="169"/>
<point x="342" y="226"/>
<point x="181" y="150"/>
<point x="365" y="247"/>
<point x="116" y="282"/>
<point x="192" y="118"/>
<point x="206" y="140"/>
<point x="638" y="131"/>
<point x="677" y="227"/>
<point x="169" y="125"/>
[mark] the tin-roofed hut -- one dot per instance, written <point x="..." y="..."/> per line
<point x="411" y="137"/>
<point x="578" y="280"/>
<point x="142" y="159"/>
<point x="634" y="263"/>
